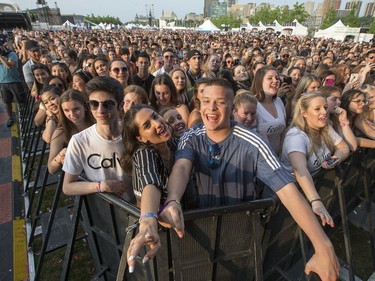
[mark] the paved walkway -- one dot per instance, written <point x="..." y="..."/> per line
<point x="13" y="253"/>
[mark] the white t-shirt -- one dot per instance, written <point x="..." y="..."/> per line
<point x="273" y="127"/>
<point x="298" y="141"/>
<point x="96" y="156"/>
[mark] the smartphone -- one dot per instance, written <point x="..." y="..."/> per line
<point x="332" y="161"/>
<point x="329" y="82"/>
<point x="288" y="80"/>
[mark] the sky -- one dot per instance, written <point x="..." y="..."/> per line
<point x="127" y="9"/>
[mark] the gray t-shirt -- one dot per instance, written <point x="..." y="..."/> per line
<point x="242" y="157"/>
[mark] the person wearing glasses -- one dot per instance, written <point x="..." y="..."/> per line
<point x="97" y="150"/>
<point x="227" y="157"/>
<point x="168" y="56"/>
<point x="119" y="70"/>
<point x="354" y="101"/>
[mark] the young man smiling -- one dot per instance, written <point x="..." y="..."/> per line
<point x="96" y="151"/>
<point x="226" y="157"/>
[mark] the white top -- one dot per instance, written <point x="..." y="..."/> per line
<point x="96" y="156"/>
<point x="273" y="127"/>
<point x="160" y="72"/>
<point x="298" y="141"/>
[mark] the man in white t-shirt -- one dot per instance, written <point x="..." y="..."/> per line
<point x="96" y="151"/>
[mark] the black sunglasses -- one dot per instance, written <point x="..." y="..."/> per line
<point x="107" y="104"/>
<point x="214" y="160"/>
<point x="117" y="69"/>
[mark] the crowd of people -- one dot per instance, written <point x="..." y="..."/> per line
<point x="175" y="120"/>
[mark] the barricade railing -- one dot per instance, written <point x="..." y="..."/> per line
<point x="223" y="243"/>
<point x="250" y="241"/>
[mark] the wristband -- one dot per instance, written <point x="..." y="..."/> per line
<point x="148" y="215"/>
<point x="167" y="203"/>
<point x="315" y="200"/>
<point x="98" y="186"/>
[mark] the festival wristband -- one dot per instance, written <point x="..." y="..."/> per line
<point x="166" y="204"/>
<point x="148" y="215"/>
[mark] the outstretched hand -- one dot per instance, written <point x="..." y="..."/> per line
<point x="172" y="217"/>
<point x="147" y="235"/>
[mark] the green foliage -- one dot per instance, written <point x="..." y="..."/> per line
<point x="330" y="18"/>
<point x="106" y="19"/>
<point x="232" y="21"/>
<point x="366" y="21"/>
<point x="283" y="15"/>
<point x="372" y="27"/>
<point x="351" y="19"/>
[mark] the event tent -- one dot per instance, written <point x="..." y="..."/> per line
<point x="207" y="26"/>
<point x="339" y="31"/>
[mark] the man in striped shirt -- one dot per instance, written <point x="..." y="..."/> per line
<point x="227" y="157"/>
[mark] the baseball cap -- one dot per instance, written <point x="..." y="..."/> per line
<point x="192" y="53"/>
<point x="32" y="45"/>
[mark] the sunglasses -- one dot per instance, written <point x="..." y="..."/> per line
<point x="214" y="160"/>
<point x="107" y="104"/>
<point x="117" y="70"/>
<point x="59" y="85"/>
<point x="285" y="56"/>
<point x="88" y="64"/>
<point x="168" y="57"/>
<point x="371" y="57"/>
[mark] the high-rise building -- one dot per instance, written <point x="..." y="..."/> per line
<point x="309" y="7"/>
<point x="354" y="3"/>
<point x="230" y="2"/>
<point x="331" y="4"/>
<point x="370" y="9"/>
<point x="207" y="4"/>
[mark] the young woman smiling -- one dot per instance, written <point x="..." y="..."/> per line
<point x="311" y="144"/>
<point x="271" y="113"/>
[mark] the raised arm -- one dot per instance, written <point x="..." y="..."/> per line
<point x="324" y="262"/>
<point x="305" y="180"/>
<point x="148" y="227"/>
<point x="176" y="186"/>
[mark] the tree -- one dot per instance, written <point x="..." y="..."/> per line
<point x="106" y="19"/>
<point x="265" y="15"/>
<point x="299" y="13"/>
<point x="366" y="21"/>
<point x="351" y="19"/>
<point x="330" y="18"/>
<point x="230" y="21"/>
<point x="372" y="27"/>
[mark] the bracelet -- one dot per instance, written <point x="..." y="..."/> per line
<point x="167" y="203"/>
<point x="315" y="200"/>
<point x="98" y="185"/>
<point x="344" y="123"/>
<point x="148" y="215"/>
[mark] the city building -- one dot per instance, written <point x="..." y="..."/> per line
<point x="309" y="7"/>
<point x="354" y="4"/>
<point x="168" y="16"/>
<point x="242" y="10"/>
<point x="207" y="4"/>
<point x="370" y="9"/>
<point x="330" y="4"/>
<point x="217" y="9"/>
<point x="194" y="17"/>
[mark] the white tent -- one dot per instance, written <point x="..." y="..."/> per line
<point x="339" y="31"/>
<point x="207" y="26"/>
<point x="68" y="24"/>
